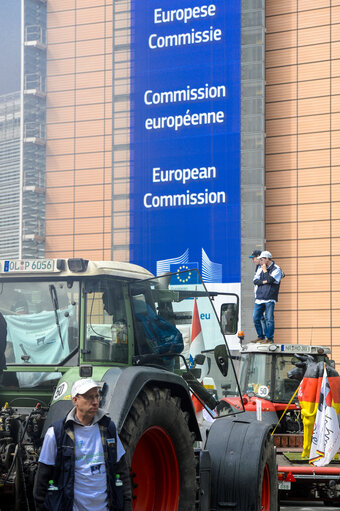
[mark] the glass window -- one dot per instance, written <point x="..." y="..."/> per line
<point x="284" y="386"/>
<point x="106" y="322"/>
<point x="255" y="375"/>
<point x="229" y="318"/>
<point x="266" y="376"/>
<point x="176" y="327"/>
<point x="42" y="325"/>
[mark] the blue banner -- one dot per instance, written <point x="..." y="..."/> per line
<point x="185" y="136"/>
<point x="183" y="275"/>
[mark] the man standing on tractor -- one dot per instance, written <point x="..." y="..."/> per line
<point x="267" y="279"/>
<point x="82" y="463"/>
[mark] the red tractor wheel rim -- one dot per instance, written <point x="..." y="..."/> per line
<point x="265" y="499"/>
<point x="156" y="472"/>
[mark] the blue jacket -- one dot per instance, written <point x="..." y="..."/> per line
<point x="270" y="290"/>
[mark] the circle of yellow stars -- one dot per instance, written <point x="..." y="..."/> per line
<point x="183" y="278"/>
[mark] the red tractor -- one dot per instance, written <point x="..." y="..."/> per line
<point x="269" y="378"/>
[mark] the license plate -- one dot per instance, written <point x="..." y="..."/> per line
<point x="295" y="348"/>
<point x="27" y="266"/>
<point x="284" y="485"/>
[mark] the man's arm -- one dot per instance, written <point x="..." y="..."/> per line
<point x="257" y="281"/>
<point x="124" y="472"/>
<point x="42" y="477"/>
<point x="45" y="471"/>
<point x="274" y="277"/>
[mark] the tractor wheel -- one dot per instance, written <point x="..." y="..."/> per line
<point x="159" y="449"/>
<point x="243" y="465"/>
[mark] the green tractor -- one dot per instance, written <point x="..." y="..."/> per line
<point x="166" y="377"/>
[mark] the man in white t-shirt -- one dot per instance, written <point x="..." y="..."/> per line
<point x="82" y="463"/>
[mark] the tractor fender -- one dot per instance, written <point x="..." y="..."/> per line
<point x="243" y="465"/>
<point x="267" y="417"/>
<point x="62" y="402"/>
<point x="124" y="385"/>
<point x="57" y="411"/>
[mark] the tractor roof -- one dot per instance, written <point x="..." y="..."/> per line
<point x="284" y="348"/>
<point x="70" y="267"/>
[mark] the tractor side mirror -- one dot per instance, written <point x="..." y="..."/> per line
<point x="199" y="359"/>
<point x="222" y="359"/>
<point x="229" y="318"/>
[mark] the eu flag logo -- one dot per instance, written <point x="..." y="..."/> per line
<point x="185" y="274"/>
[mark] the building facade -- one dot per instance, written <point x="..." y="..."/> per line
<point x="87" y="126"/>
<point x="10" y="111"/>
<point x="302" y="165"/>
<point x="22" y="134"/>
<point x="290" y="83"/>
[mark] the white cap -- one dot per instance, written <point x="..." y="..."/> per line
<point x="265" y="253"/>
<point x="83" y="385"/>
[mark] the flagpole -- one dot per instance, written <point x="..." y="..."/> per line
<point x="291" y="399"/>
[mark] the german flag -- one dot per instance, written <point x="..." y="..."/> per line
<point x="309" y="397"/>
<point x="333" y="398"/>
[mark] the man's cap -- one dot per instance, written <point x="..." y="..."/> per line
<point x="255" y="253"/>
<point x="83" y="385"/>
<point x="265" y="253"/>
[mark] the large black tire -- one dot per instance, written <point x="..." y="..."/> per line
<point x="159" y="448"/>
<point x="243" y="466"/>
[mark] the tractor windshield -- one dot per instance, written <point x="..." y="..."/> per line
<point x="265" y="375"/>
<point x="176" y="327"/>
<point x="42" y="327"/>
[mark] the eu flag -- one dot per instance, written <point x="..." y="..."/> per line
<point x="184" y="274"/>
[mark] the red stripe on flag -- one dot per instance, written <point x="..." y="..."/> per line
<point x="195" y="331"/>
<point x="309" y="390"/>
<point x="334" y="383"/>
<point x="196" y="324"/>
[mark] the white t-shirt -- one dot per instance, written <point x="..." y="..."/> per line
<point x="90" y="473"/>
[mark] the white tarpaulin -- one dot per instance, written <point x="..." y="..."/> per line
<point x="36" y="336"/>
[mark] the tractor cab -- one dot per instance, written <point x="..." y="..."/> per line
<point x="61" y="314"/>
<point x="265" y="370"/>
<point x="269" y="379"/>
